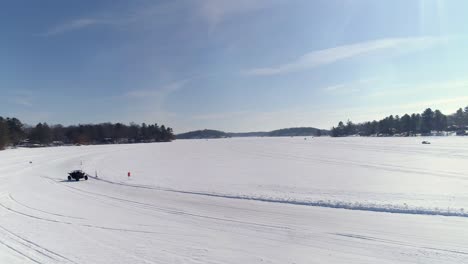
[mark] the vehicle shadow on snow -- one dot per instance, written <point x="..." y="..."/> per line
<point x="70" y="181"/>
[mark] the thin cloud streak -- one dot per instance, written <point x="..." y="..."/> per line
<point x="331" y="55"/>
<point x="22" y="101"/>
<point x="215" y="11"/>
<point x="73" y="25"/>
<point x="349" y="87"/>
<point x="212" y="12"/>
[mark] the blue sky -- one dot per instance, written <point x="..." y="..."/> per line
<point x="232" y="65"/>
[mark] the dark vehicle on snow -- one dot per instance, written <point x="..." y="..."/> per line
<point x="77" y="175"/>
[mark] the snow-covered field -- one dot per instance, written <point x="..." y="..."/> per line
<point x="250" y="200"/>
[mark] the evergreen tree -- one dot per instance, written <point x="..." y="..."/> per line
<point x="338" y="131"/>
<point x="440" y="121"/>
<point x="415" y="123"/>
<point x="145" y="133"/>
<point x="466" y="116"/>
<point x="41" y="133"/>
<point x="350" y="128"/>
<point x="397" y="124"/>
<point x="368" y="128"/>
<point x="4" y="135"/>
<point x="427" y="121"/>
<point x="405" y="122"/>
<point x="16" y="130"/>
<point x="459" y="118"/>
<point x="58" y="133"/>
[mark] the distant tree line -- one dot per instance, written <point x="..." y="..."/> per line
<point x="285" y="132"/>
<point x="407" y="125"/>
<point x="297" y="132"/>
<point x="13" y="132"/>
<point x="206" y="133"/>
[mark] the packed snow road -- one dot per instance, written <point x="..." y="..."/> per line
<point x="253" y="200"/>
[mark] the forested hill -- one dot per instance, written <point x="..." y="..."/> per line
<point x="286" y="132"/>
<point x="206" y="133"/>
<point x="426" y="123"/>
<point x="14" y="133"/>
<point x="298" y="131"/>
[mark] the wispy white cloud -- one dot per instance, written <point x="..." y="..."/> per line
<point x="349" y="87"/>
<point x="74" y="25"/>
<point x="212" y="12"/>
<point x="331" y="55"/>
<point x="334" y="87"/>
<point x="215" y="11"/>
<point x="115" y="17"/>
<point x="22" y="101"/>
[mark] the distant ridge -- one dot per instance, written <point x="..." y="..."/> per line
<point x="298" y="131"/>
<point x="285" y="132"/>
<point x="206" y="133"/>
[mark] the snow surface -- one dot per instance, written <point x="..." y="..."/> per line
<point x="246" y="200"/>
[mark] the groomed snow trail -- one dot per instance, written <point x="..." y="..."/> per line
<point x="253" y="200"/>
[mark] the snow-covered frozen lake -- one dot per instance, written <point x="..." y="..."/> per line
<point x="238" y="200"/>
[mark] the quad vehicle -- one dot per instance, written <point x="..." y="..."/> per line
<point x="77" y="175"/>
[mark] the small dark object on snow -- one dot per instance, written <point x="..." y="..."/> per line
<point x="77" y="175"/>
<point x="426" y="142"/>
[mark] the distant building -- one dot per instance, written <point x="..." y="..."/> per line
<point x="57" y="143"/>
<point x="29" y="144"/>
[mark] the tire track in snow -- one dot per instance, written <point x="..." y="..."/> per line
<point x="174" y="212"/>
<point x="20" y="252"/>
<point x="39" y="210"/>
<point x="28" y="244"/>
<point x="70" y="223"/>
<point x="120" y="250"/>
<point x="371" y="207"/>
<point x="399" y="243"/>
